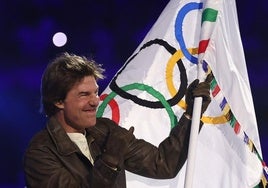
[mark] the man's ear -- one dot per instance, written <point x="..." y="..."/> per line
<point x="59" y="104"/>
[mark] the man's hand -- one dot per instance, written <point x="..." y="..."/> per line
<point x="116" y="146"/>
<point x="197" y="89"/>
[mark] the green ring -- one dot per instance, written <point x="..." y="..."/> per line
<point x="142" y="87"/>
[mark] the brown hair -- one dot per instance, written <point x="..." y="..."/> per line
<point x="60" y="76"/>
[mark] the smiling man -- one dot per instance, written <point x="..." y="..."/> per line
<point x="76" y="149"/>
<point x="80" y="105"/>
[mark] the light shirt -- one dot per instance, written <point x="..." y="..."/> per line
<point x="80" y="140"/>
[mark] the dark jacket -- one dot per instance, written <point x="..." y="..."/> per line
<point x="53" y="160"/>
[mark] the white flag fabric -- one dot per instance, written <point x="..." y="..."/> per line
<point x="148" y="92"/>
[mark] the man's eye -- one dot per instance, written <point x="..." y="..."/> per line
<point x="83" y="94"/>
<point x="97" y="92"/>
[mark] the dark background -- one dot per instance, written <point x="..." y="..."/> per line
<point x="108" y="31"/>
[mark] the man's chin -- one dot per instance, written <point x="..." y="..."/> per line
<point x="92" y="123"/>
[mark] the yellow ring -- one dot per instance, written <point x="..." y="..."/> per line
<point x="172" y="90"/>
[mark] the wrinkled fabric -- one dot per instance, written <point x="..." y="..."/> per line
<point x="53" y="160"/>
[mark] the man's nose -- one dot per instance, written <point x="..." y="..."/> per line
<point x="94" y="100"/>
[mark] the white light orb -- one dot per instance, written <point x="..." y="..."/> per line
<point x="59" y="39"/>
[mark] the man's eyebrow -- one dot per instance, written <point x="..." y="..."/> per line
<point x="83" y="92"/>
<point x="88" y="92"/>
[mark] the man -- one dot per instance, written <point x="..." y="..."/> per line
<point x="76" y="149"/>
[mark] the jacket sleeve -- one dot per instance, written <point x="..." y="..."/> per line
<point x="42" y="169"/>
<point x="163" y="161"/>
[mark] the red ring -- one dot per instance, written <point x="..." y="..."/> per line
<point x="114" y="107"/>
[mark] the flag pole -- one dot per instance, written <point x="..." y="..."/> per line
<point x="194" y="134"/>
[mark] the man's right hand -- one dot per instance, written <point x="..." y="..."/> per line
<point x="116" y="146"/>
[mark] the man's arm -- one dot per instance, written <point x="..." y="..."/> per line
<point x="163" y="161"/>
<point x="166" y="160"/>
<point x="42" y="169"/>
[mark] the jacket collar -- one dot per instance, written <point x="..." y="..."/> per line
<point x="63" y="143"/>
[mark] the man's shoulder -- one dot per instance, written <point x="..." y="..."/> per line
<point x="107" y="124"/>
<point x="105" y="121"/>
<point x="103" y="126"/>
<point x="40" y="139"/>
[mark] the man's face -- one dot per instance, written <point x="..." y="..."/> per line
<point x="80" y="105"/>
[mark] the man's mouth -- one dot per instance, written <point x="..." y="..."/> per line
<point x="91" y="110"/>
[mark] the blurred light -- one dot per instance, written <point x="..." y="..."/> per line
<point x="59" y="39"/>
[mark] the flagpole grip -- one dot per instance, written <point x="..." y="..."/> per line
<point x="193" y="142"/>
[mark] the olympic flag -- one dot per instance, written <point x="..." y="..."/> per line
<point x="148" y="92"/>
